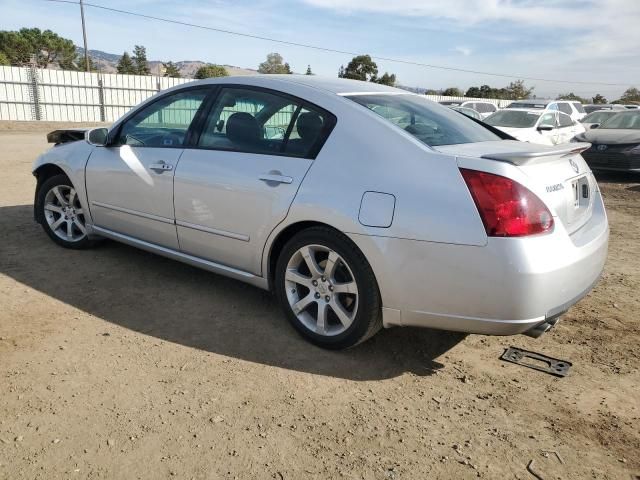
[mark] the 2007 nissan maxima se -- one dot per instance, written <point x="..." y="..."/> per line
<point x="359" y="205"/>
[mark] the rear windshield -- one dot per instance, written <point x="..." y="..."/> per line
<point x="429" y="122"/>
<point x="624" y="120"/>
<point x="513" y="119"/>
<point x="598" y="117"/>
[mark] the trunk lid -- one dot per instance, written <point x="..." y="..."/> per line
<point x="565" y="182"/>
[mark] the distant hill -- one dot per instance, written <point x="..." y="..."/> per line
<point x="107" y="63"/>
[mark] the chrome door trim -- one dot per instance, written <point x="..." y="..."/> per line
<point x="215" y="231"/>
<point x="183" y="257"/>
<point x="134" y="212"/>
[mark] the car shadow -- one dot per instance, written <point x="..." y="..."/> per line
<point x="188" y="306"/>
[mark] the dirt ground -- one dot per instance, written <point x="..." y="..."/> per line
<point x="116" y="363"/>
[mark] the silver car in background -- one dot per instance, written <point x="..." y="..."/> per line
<point x="358" y="205"/>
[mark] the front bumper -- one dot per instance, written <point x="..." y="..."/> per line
<point x="507" y="287"/>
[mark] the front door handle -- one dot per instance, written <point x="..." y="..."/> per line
<point x="275" y="178"/>
<point x="161" y="167"/>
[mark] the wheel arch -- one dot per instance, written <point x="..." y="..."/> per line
<point x="42" y="174"/>
<point x="280" y="240"/>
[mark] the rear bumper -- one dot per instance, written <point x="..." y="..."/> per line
<point x="507" y="287"/>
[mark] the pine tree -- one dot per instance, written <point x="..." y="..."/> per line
<point x="125" y="65"/>
<point x="309" y="72"/>
<point x="171" y="70"/>
<point x="140" y="60"/>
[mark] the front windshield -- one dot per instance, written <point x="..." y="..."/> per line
<point x="624" y="120"/>
<point x="513" y="119"/>
<point x="429" y="122"/>
<point x="597" y="117"/>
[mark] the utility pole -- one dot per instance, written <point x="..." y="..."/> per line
<point x="84" y="36"/>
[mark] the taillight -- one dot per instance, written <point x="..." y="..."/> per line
<point x="507" y="208"/>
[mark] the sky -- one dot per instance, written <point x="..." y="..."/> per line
<point x="571" y="40"/>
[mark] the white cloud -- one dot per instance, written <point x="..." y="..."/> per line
<point x="466" y="51"/>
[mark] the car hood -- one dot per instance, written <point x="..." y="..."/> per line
<point x="610" y="136"/>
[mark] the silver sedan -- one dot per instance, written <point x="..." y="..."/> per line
<point x="359" y="205"/>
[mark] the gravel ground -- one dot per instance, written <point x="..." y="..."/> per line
<point x="116" y="363"/>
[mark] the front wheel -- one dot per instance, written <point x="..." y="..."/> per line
<point x="327" y="289"/>
<point x="61" y="214"/>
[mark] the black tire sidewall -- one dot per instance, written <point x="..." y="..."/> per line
<point x="367" y="319"/>
<point x="46" y="186"/>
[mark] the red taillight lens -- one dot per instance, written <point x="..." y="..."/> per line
<point x="507" y="208"/>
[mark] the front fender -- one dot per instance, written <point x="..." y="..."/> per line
<point x="72" y="159"/>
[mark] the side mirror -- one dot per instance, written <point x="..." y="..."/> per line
<point x="545" y="128"/>
<point x="595" y="125"/>
<point x="98" y="137"/>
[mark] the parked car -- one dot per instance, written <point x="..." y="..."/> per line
<point x="469" y="112"/>
<point x="594" y="119"/>
<point x="484" y="108"/>
<point x="595" y="107"/>
<point x="377" y="208"/>
<point x="615" y="144"/>
<point x="536" y="126"/>
<point x="573" y="109"/>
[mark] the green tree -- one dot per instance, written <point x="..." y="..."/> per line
<point x="386" y="79"/>
<point x="210" y="71"/>
<point x="171" y="70"/>
<point x="140" y="60"/>
<point x="309" y="72"/>
<point x="274" y="64"/>
<point x="46" y="47"/>
<point x="431" y="91"/>
<point x="4" y="60"/>
<point x="572" y="97"/>
<point x="125" y="65"/>
<point x="631" y="94"/>
<point x="517" y="91"/>
<point x="599" y="99"/>
<point x="452" y="92"/>
<point x="361" y="67"/>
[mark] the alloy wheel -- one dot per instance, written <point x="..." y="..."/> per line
<point x="64" y="214"/>
<point x="321" y="290"/>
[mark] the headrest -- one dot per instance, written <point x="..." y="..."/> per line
<point x="242" y="127"/>
<point x="309" y="125"/>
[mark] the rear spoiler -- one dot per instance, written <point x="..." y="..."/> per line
<point x="521" y="158"/>
<point x="67" y="135"/>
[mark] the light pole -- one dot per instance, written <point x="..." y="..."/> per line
<point x="84" y="36"/>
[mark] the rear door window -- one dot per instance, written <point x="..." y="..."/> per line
<point x="578" y="106"/>
<point x="565" y="108"/>
<point x="264" y="122"/>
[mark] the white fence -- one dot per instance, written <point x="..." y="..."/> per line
<point x="28" y="93"/>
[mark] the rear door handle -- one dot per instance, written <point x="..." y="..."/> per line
<point x="274" y="178"/>
<point x="161" y="167"/>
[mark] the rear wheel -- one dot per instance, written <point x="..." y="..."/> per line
<point x="61" y="214"/>
<point x="327" y="289"/>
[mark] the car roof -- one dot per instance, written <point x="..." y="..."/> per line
<point x="339" y="86"/>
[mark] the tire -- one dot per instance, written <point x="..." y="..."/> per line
<point x="333" y="299"/>
<point x="56" y="211"/>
